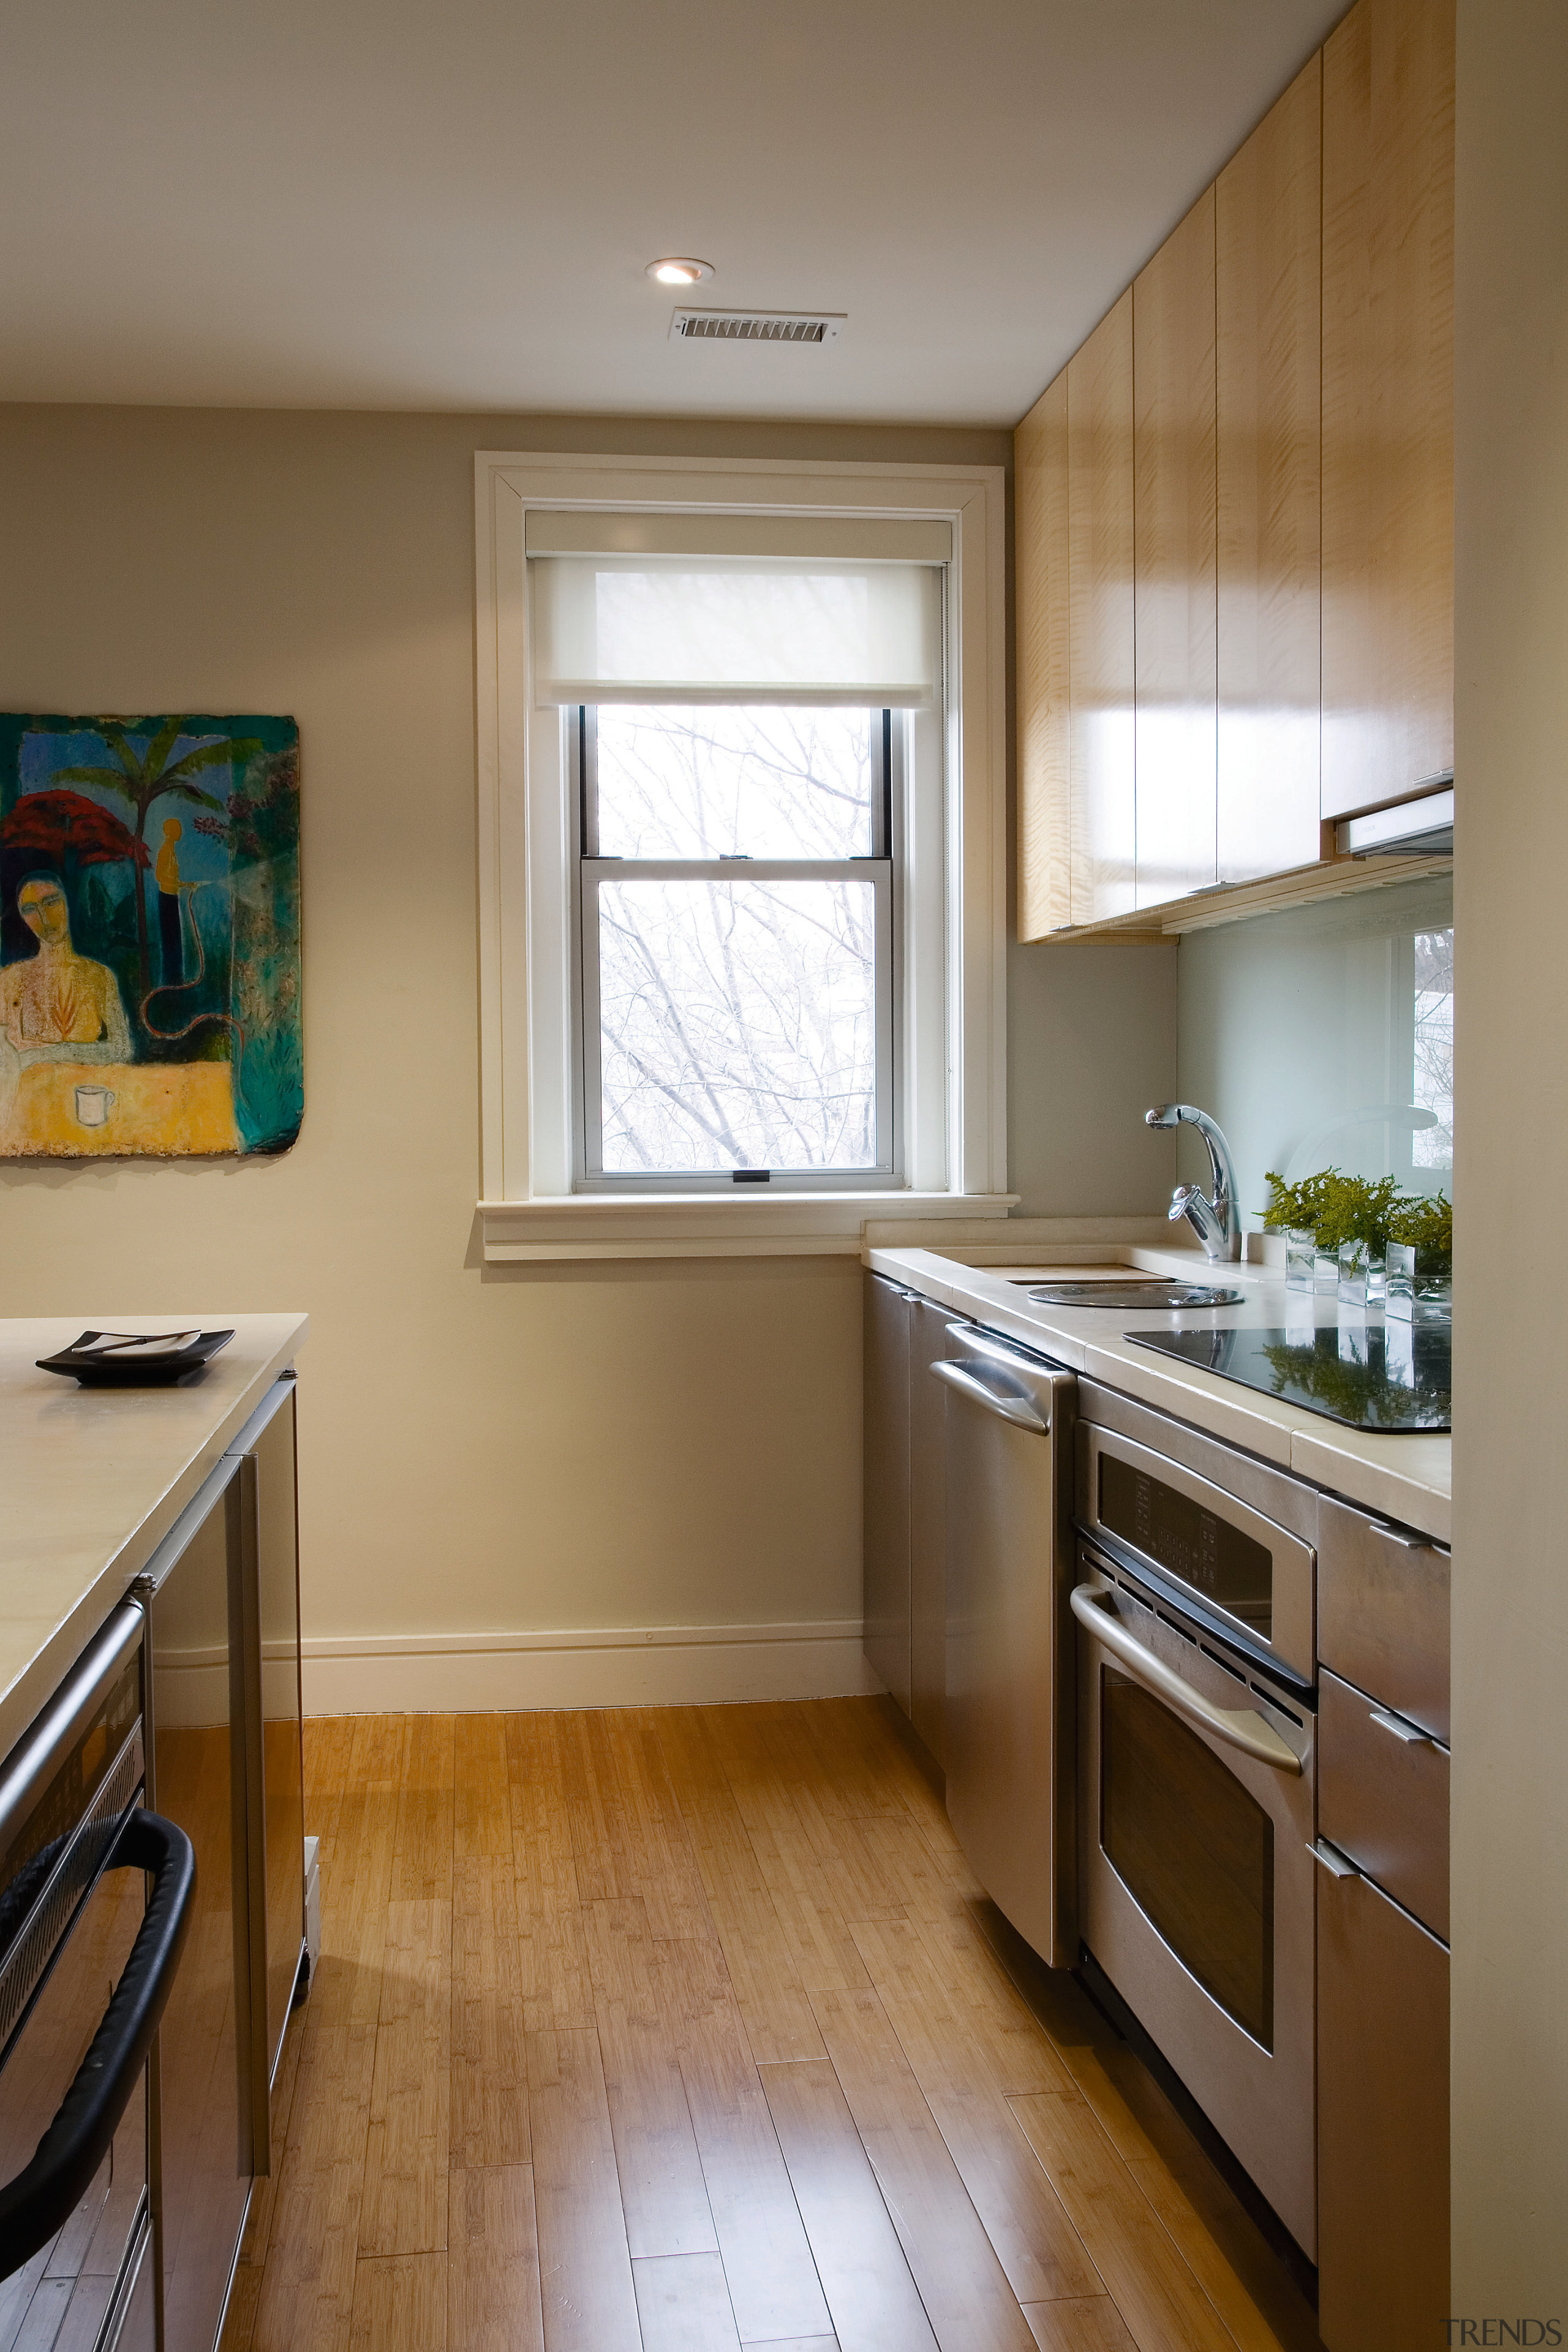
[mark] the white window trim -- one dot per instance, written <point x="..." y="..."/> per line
<point x="526" y="1057"/>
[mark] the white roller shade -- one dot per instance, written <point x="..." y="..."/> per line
<point x="656" y="530"/>
<point x="686" y="629"/>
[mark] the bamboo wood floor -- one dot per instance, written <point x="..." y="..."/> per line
<point x="674" y="2030"/>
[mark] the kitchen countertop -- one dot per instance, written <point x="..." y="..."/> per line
<point x="1403" y="1475"/>
<point x="93" y="1479"/>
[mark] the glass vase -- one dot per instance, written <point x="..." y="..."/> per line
<point x="1418" y="1291"/>
<point x="1300" y="1258"/>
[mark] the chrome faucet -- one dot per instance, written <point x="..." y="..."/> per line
<point x="1216" y="1221"/>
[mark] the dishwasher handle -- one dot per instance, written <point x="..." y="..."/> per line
<point x="1009" y="1403"/>
<point x="39" y="2199"/>
<point x="1241" y="1727"/>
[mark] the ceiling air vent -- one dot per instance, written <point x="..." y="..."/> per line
<point x="756" y="327"/>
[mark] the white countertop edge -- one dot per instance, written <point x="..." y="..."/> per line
<point x="1407" y="1476"/>
<point x="58" y="1649"/>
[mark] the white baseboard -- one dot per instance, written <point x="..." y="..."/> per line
<point x="629" y="1665"/>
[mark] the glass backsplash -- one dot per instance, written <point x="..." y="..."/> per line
<point x="1323" y="1037"/>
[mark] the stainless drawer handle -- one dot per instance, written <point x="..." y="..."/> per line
<point x="1334" y="1863"/>
<point x="1402" y="1537"/>
<point x="1410" y="1733"/>
<point x="1016" y="1409"/>
<point x="1241" y="1727"/>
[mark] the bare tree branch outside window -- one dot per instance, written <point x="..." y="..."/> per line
<point x="738" y="1017"/>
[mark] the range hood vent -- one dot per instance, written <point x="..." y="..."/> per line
<point x="1418" y="828"/>
<point x="756" y="327"/>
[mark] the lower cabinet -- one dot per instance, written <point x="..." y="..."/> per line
<point x="1382" y="1960"/>
<point x="905" y="1541"/>
<point x="1382" y="2123"/>
<point x="888" y="1311"/>
<point x="222" y="1709"/>
<point x="929" y="1344"/>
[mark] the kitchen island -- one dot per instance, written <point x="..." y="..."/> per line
<point x="93" y="1479"/>
<point x="151" y="1785"/>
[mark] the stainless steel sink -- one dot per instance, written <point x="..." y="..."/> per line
<point x="1133" y="1294"/>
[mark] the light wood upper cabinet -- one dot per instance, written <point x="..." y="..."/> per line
<point x="1100" y="618"/>
<point x="1175" y="565"/>
<point x="1267" y="274"/>
<point x="1045" y="776"/>
<point x="1388" y="402"/>
<point x="1235" y="513"/>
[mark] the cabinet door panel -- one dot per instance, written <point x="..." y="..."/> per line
<point x="1045" y="782"/>
<point x="1269" y="244"/>
<point x="929" y="1344"/>
<point x="1383" y="2124"/>
<point x="1388" y="402"/>
<point x="282" y="1758"/>
<point x="1174" y="561"/>
<point x="887" y="1483"/>
<point x="1099" y="570"/>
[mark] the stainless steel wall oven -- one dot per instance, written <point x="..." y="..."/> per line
<point x="1192" y="1595"/>
<point x="95" y="1901"/>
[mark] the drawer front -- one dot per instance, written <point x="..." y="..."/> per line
<point x="1383" y="1801"/>
<point x="1382" y="2125"/>
<point x="1383" y="1612"/>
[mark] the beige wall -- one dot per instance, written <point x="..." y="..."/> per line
<point x="1510" y="1486"/>
<point x="629" y="1446"/>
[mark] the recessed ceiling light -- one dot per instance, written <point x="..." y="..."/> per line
<point x="679" y="270"/>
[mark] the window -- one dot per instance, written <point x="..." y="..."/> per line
<point x="740" y="844"/>
<point x="741" y="853"/>
<point x="739" y="880"/>
<point x="1434" y="1084"/>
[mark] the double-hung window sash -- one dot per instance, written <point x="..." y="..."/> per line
<point x="737" y="728"/>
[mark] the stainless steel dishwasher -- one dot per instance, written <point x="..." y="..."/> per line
<point x="1010" y="1730"/>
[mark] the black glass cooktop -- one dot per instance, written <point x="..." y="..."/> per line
<point x="1382" y="1376"/>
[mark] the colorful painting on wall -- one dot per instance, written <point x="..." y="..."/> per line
<point x="149" y="936"/>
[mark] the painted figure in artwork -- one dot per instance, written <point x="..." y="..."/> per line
<point x="61" y="1006"/>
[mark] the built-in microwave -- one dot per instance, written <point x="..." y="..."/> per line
<point x="1165" y="1501"/>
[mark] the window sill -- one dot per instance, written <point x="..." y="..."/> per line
<point x="789" y="1224"/>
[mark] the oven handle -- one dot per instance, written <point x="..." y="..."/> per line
<point x="1238" y="1727"/>
<point x="36" y="2203"/>
<point x="1018" y="1408"/>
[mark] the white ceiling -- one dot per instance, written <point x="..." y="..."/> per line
<point x="374" y="204"/>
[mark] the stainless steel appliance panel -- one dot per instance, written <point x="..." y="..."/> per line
<point x="886" y="1310"/>
<point x="1383" y="1799"/>
<point x="1289" y="1502"/>
<point x="274" y="1756"/>
<point x="196" y="1775"/>
<point x="1196" y="1885"/>
<point x="1382" y="1612"/>
<point x="1009" y="1741"/>
<point x="133" y="2326"/>
<point x="929" y="1344"/>
<point x="1149" y="1502"/>
<point x="1382" y="2121"/>
<point x="71" y="2281"/>
<point x="94" y="1903"/>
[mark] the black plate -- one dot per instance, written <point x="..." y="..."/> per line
<point x="96" y="1371"/>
